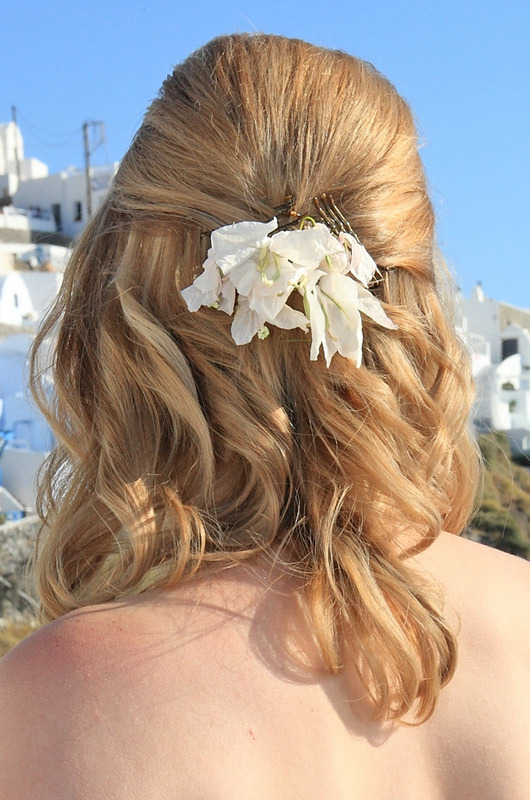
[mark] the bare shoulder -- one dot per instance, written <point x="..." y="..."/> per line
<point x="470" y="569"/>
<point x="49" y="700"/>
<point x="83" y="693"/>
<point x="64" y="652"/>
<point x="487" y="599"/>
<point x="468" y="553"/>
<point x="83" y="698"/>
<point x="489" y="589"/>
<point x="481" y="723"/>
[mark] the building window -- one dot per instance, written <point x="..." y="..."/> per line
<point x="15" y="300"/>
<point x="508" y="386"/>
<point x="509" y="348"/>
<point x="78" y="211"/>
<point x="512" y="406"/>
<point x="56" y="211"/>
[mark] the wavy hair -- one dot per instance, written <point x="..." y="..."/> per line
<point x="178" y="449"/>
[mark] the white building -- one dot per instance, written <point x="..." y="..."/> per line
<point x="498" y="336"/>
<point x="26" y="437"/>
<point x="13" y="166"/>
<point x="25" y="221"/>
<point x="42" y="288"/>
<point x="24" y="256"/>
<point x="26" y="296"/>
<point x="50" y="203"/>
<point x="38" y="212"/>
<point x="64" y="195"/>
<point x="15" y="301"/>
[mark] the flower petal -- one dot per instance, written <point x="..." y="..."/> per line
<point x="245" y="274"/>
<point x="246" y="323"/>
<point x="205" y="289"/>
<point x="307" y="247"/>
<point x="361" y="263"/>
<point x="317" y="320"/>
<point x="338" y="295"/>
<point x="289" y="318"/>
<point x="233" y="244"/>
<point x="268" y="306"/>
<point x="371" y="306"/>
<point x="227" y="297"/>
<point x="193" y="297"/>
<point x="268" y="298"/>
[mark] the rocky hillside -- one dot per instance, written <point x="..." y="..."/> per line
<point x="503" y="516"/>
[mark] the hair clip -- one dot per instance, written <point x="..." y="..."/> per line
<point x="287" y="210"/>
<point x="332" y="216"/>
<point x="328" y="213"/>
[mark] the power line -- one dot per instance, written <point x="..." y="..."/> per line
<point x="37" y="133"/>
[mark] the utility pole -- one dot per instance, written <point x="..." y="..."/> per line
<point x="17" y="159"/>
<point x="88" y="152"/>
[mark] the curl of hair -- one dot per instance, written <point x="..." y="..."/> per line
<point x="178" y="449"/>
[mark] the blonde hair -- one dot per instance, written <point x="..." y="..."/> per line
<point x="176" y="448"/>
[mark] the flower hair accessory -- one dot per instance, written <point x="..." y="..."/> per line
<point x="255" y="267"/>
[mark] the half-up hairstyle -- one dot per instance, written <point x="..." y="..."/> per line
<point x="178" y="449"/>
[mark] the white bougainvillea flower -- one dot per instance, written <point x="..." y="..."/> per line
<point x="268" y="277"/>
<point x="341" y="300"/>
<point x="234" y="244"/>
<point x="306" y="248"/>
<point x="269" y="299"/>
<point x="255" y="270"/>
<point x="247" y="323"/>
<point x="293" y="256"/>
<point x="210" y="289"/>
<point x="361" y="263"/>
<point x="205" y="289"/>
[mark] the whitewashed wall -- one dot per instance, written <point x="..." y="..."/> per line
<point x="66" y="189"/>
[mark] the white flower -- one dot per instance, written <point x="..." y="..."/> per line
<point x="308" y="247"/>
<point x="361" y="263"/>
<point x="260" y="269"/>
<point x="247" y="322"/>
<point x="210" y="289"/>
<point x="234" y="244"/>
<point x="336" y="325"/>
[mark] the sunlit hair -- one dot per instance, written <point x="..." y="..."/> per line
<point x="178" y="449"/>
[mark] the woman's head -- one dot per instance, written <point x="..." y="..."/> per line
<point x="178" y="448"/>
<point x="247" y="120"/>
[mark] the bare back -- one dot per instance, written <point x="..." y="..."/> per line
<point x="216" y="690"/>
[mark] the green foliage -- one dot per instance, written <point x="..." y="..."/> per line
<point x="503" y="516"/>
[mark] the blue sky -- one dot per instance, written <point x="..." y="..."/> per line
<point x="463" y="66"/>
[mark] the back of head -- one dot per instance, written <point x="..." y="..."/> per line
<point x="179" y="449"/>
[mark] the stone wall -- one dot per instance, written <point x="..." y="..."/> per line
<point x="17" y="540"/>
